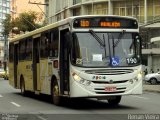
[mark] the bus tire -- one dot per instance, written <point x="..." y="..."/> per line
<point x="22" y="86"/>
<point x="55" y="93"/>
<point x="115" y="101"/>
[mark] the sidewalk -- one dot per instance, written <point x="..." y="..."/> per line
<point x="151" y="88"/>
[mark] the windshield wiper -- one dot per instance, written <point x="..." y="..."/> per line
<point x="100" y="41"/>
<point x="119" y="38"/>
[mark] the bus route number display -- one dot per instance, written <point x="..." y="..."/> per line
<point x="132" y="60"/>
<point x="105" y="22"/>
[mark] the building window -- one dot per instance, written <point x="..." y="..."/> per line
<point x="89" y="9"/>
<point x="65" y="3"/>
<point x="76" y="2"/>
<point x="58" y="16"/>
<point x="100" y="8"/>
<point x="58" y="5"/>
<point x="157" y="7"/>
<point x="5" y="3"/>
<point x="76" y="11"/>
<point x="65" y="14"/>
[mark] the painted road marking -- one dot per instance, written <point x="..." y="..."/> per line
<point x="41" y="118"/>
<point x="17" y="105"/>
<point x="140" y="97"/>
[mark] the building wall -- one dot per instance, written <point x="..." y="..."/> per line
<point x="146" y="11"/>
<point x="4" y="9"/>
<point x="143" y="10"/>
<point x="18" y="7"/>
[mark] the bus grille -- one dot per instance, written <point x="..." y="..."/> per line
<point x="123" y="88"/>
<point x="109" y="71"/>
<point x="110" y="92"/>
<point x="107" y="82"/>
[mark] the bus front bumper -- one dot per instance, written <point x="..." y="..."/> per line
<point x="101" y="90"/>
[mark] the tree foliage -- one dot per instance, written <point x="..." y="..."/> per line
<point x="26" y="21"/>
<point x="7" y="25"/>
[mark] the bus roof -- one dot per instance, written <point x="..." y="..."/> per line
<point x="60" y="23"/>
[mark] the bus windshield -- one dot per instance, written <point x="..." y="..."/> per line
<point x="105" y="49"/>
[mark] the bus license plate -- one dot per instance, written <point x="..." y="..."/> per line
<point x="110" y="89"/>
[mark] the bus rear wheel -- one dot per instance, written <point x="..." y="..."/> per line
<point x="115" y="100"/>
<point x="55" y="93"/>
<point x="22" y="86"/>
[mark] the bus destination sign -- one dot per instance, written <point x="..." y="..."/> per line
<point x="105" y="22"/>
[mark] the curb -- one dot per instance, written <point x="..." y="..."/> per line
<point x="151" y="88"/>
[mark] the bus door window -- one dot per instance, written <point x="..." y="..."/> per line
<point x="64" y="62"/>
<point x="15" y="63"/>
<point x="36" y="43"/>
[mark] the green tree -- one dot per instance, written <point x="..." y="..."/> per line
<point x="7" y="25"/>
<point x="26" y="21"/>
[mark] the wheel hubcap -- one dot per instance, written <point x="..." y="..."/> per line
<point x="56" y="91"/>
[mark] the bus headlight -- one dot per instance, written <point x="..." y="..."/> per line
<point x="140" y="75"/>
<point x="76" y="77"/>
<point x="81" y="80"/>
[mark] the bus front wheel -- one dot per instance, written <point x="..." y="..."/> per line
<point x="115" y="100"/>
<point x="55" y="93"/>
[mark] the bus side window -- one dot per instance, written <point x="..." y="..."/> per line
<point x="44" y="46"/>
<point x="29" y="49"/>
<point x="53" y="43"/>
<point x="22" y="50"/>
<point x="11" y="52"/>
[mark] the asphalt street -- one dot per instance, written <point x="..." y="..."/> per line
<point x="34" y="107"/>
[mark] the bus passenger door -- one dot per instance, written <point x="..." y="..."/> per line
<point x="64" y="63"/>
<point x="36" y="65"/>
<point x="15" y="64"/>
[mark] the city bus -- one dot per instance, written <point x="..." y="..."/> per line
<point x="90" y="56"/>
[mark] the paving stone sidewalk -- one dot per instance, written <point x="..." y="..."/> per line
<point x="152" y="88"/>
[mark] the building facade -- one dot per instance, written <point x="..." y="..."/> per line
<point x="4" y="9"/>
<point x="143" y="10"/>
<point x="17" y="7"/>
<point x="147" y="13"/>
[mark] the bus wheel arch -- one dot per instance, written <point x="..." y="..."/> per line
<point x="55" y="91"/>
<point x="22" y="85"/>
